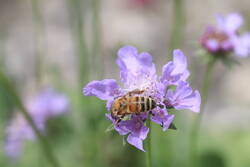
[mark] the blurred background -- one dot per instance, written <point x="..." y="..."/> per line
<point x="65" y="44"/>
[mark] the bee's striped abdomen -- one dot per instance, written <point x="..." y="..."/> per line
<point x="132" y="104"/>
<point x="143" y="104"/>
<point x="148" y="104"/>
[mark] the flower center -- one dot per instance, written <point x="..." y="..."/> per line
<point x="216" y="41"/>
<point x="218" y="36"/>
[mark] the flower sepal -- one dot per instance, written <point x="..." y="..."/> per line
<point x="111" y="127"/>
<point x="206" y="56"/>
<point x="172" y="126"/>
<point x="229" y="61"/>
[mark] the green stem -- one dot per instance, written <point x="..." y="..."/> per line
<point x="77" y="23"/>
<point x="197" y="122"/>
<point x="178" y="24"/>
<point x="97" y="59"/>
<point x="38" y="39"/>
<point x="148" y="143"/>
<point x="6" y="83"/>
<point x="2" y="54"/>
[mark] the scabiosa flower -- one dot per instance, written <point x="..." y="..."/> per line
<point x="225" y="38"/>
<point x="137" y="72"/>
<point x="46" y="105"/>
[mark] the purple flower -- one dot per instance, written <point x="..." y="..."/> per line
<point x="138" y="72"/>
<point x="224" y="38"/>
<point x="46" y="105"/>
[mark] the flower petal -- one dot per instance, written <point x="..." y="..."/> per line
<point x="162" y="118"/>
<point x="180" y="62"/>
<point x="183" y="90"/>
<point x="191" y="102"/>
<point x="16" y="133"/>
<point x="230" y="23"/>
<point x="184" y="75"/>
<point x="105" y="89"/>
<point x="184" y="98"/>
<point x="166" y="73"/>
<point x="175" y="71"/>
<point x="242" y="45"/>
<point x="167" y="122"/>
<point x="60" y="105"/>
<point x="213" y="45"/>
<point x="136" y="125"/>
<point x="13" y="148"/>
<point x="135" y="141"/>
<point x="122" y="128"/>
<point x="109" y="104"/>
<point x="144" y="132"/>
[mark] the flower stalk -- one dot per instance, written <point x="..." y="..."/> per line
<point x="76" y="7"/>
<point x="38" y="39"/>
<point x="197" y="122"/>
<point x="44" y="143"/>
<point x="97" y="37"/>
<point x="178" y="21"/>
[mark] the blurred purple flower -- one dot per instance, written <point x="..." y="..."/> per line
<point x="46" y="105"/>
<point x="137" y="71"/>
<point x="224" y="38"/>
<point x="17" y="131"/>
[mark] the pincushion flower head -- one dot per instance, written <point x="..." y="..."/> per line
<point x="46" y="105"/>
<point x="225" y="37"/>
<point x="141" y="89"/>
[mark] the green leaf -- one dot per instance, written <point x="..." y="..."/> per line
<point x="172" y="126"/>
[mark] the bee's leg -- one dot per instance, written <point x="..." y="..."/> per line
<point x="118" y="121"/>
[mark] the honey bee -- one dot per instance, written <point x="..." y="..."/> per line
<point x="131" y="103"/>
